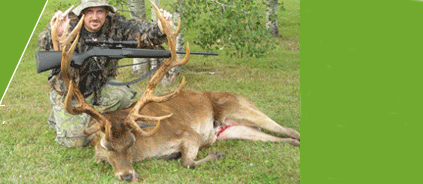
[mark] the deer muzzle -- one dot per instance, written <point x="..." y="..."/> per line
<point x="128" y="177"/>
<point x="123" y="168"/>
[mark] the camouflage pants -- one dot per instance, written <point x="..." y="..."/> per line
<point x="69" y="127"/>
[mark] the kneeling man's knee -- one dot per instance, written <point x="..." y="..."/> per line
<point x="73" y="142"/>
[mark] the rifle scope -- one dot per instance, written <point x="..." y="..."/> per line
<point x="112" y="43"/>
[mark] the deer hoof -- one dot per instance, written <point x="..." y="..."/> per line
<point x="218" y="154"/>
<point x="295" y="143"/>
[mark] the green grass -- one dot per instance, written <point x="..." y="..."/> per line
<point x="29" y="154"/>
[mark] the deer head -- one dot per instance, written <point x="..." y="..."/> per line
<point x="119" y="133"/>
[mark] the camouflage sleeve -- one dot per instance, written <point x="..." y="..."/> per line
<point x="148" y="34"/>
<point x="44" y="40"/>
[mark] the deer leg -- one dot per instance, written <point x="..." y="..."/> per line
<point x="244" y="112"/>
<point x="268" y="124"/>
<point x="191" y="164"/>
<point x="251" y="116"/>
<point x="211" y="157"/>
<point x="249" y="133"/>
<point x="190" y="147"/>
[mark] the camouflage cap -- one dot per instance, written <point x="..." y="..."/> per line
<point x="92" y="3"/>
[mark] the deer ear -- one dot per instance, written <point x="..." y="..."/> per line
<point x="92" y="129"/>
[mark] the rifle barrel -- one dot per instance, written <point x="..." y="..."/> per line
<point x="198" y="53"/>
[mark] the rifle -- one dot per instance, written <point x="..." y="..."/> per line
<point x="47" y="60"/>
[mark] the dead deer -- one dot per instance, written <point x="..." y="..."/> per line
<point x="182" y="122"/>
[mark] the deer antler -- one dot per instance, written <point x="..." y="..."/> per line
<point x="167" y="64"/>
<point x="63" y="43"/>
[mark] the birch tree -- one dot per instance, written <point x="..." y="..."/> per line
<point x="154" y="19"/>
<point x="271" y="17"/>
<point x="137" y="11"/>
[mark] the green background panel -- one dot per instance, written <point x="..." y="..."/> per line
<point x="18" y="21"/>
<point x="360" y="91"/>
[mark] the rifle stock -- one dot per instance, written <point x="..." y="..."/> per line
<point x="47" y="60"/>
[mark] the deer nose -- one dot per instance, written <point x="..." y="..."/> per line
<point x="127" y="177"/>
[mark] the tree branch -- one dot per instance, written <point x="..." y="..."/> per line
<point x="221" y="4"/>
<point x="208" y="8"/>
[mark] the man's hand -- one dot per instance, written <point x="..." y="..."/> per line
<point x="167" y="16"/>
<point x="63" y="18"/>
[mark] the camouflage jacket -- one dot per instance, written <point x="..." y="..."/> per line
<point x="116" y="27"/>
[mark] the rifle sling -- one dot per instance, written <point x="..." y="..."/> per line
<point x="130" y="82"/>
<point x="116" y="67"/>
<point x="134" y="81"/>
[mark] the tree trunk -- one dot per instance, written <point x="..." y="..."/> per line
<point x="272" y="17"/>
<point x="154" y="19"/>
<point x="137" y="11"/>
<point x="153" y="14"/>
<point x="173" y="73"/>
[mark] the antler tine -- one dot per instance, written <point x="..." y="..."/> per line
<point x="68" y="23"/>
<point x="68" y="10"/>
<point x="55" y="37"/>
<point x="136" y="128"/>
<point x="172" y="48"/>
<point x="171" y="38"/>
<point x="74" y="32"/>
<point x="180" y="62"/>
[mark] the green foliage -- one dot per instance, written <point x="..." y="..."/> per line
<point x="233" y="27"/>
<point x="236" y="27"/>
<point x="118" y="3"/>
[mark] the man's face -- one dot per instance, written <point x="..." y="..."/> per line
<point x="94" y="18"/>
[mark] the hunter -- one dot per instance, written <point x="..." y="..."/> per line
<point x="101" y="22"/>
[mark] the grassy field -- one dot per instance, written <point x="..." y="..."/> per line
<point x="29" y="154"/>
